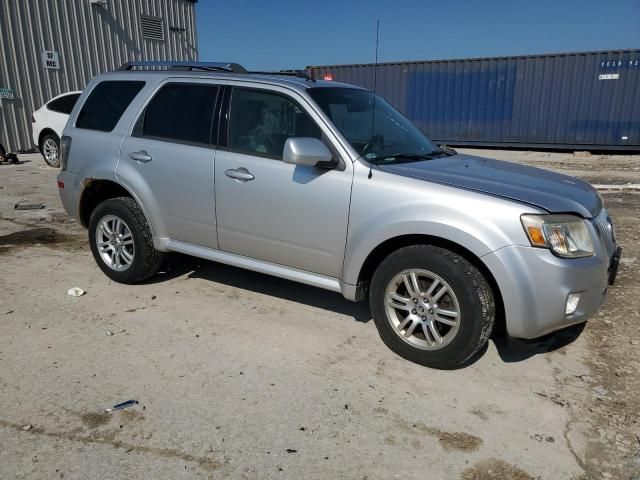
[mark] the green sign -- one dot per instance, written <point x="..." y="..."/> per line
<point x="7" y="93"/>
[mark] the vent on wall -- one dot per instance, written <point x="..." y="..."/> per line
<point x="152" y="27"/>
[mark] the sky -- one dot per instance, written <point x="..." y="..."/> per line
<point x="276" y="34"/>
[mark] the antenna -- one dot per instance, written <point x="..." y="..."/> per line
<point x="375" y="82"/>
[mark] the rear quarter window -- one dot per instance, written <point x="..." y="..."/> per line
<point x="64" y="104"/>
<point x="106" y="104"/>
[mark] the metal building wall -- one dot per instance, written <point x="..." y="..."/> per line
<point x="569" y="100"/>
<point x="90" y="39"/>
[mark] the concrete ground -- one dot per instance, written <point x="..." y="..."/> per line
<point x="241" y="375"/>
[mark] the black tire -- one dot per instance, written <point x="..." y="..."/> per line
<point x="474" y="295"/>
<point x="54" y="162"/>
<point x="146" y="259"/>
<point x="3" y="152"/>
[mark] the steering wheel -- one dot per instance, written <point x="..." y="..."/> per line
<point x="376" y="139"/>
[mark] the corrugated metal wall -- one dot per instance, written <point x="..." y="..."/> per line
<point x="572" y="100"/>
<point x="90" y="39"/>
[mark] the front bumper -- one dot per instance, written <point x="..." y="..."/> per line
<point x="535" y="285"/>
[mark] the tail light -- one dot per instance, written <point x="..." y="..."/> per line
<point x="65" y="146"/>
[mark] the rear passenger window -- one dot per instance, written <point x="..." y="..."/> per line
<point x="181" y="112"/>
<point x="64" y="104"/>
<point x="106" y="104"/>
<point x="262" y="121"/>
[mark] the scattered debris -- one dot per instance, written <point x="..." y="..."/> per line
<point x="27" y="427"/>
<point x="7" y="312"/>
<point x="123" y="405"/>
<point x="291" y="450"/>
<point x="9" y="158"/>
<point x="29" y="206"/>
<point x="75" y="292"/>
<point x="582" y="154"/>
<point x="635" y="342"/>
<point x="153" y="297"/>
<point x="600" y="391"/>
<point x="111" y="334"/>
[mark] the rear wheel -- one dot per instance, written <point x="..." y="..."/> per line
<point x="3" y="152"/>
<point x="121" y="241"/>
<point x="432" y="306"/>
<point x="50" y="149"/>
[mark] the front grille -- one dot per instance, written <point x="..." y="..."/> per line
<point x="604" y="226"/>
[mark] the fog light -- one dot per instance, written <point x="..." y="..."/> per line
<point x="572" y="303"/>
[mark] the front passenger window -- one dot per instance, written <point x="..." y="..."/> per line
<point x="260" y="123"/>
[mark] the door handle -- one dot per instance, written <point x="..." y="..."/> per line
<point x="141" y="156"/>
<point x="241" y="174"/>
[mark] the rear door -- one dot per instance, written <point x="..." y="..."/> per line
<point x="169" y="157"/>
<point x="291" y="215"/>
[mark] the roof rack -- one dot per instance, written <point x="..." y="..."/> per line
<point x="291" y="73"/>
<point x="191" y="66"/>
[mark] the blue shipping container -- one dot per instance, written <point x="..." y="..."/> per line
<point x="588" y="100"/>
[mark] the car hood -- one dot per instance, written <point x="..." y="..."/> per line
<point x="554" y="192"/>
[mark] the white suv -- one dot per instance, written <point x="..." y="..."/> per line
<point x="48" y="123"/>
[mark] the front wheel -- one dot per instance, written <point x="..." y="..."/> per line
<point x="121" y="241"/>
<point x="431" y="306"/>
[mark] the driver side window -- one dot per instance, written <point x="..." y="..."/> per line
<point x="260" y="123"/>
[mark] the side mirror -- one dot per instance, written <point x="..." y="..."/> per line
<point x="306" y="151"/>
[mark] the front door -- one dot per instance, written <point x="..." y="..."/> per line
<point x="286" y="214"/>
<point x="170" y="156"/>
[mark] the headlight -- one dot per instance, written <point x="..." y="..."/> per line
<point x="565" y="235"/>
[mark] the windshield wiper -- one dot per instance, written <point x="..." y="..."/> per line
<point x="410" y="156"/>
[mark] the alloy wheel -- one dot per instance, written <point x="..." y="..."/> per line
<point x="115" y="243"/>
<point x="423" y="309"/>
<point x="50" y="150"/>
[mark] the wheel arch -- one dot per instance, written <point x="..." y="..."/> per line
<point x="97" y="190"/>
<point x="43" y="132"/>
<point x="385" y="248"/>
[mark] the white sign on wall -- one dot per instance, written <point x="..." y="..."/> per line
<point x="50" y="59"/>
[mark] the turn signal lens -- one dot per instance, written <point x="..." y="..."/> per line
<point x="536" y="236"/>
<point x="533" y="226"/>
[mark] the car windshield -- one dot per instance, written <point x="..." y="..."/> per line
<point x="376" y="130"/>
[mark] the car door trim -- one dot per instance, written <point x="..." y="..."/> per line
<point x="296" y="275"/>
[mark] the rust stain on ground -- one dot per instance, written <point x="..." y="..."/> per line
<point x="108" y="438"/>
<point x="93" y="420"/>
<point x="48" y="237"/>
<point x="494" y="469"/>
<point x="131" y="416"/>
<point x="460" y="441"/>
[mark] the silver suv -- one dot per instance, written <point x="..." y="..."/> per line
<point x="327" y="184"/>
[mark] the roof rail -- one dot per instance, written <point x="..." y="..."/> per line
<point x="171" y="65"/>
<point x="291" y="73"/>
